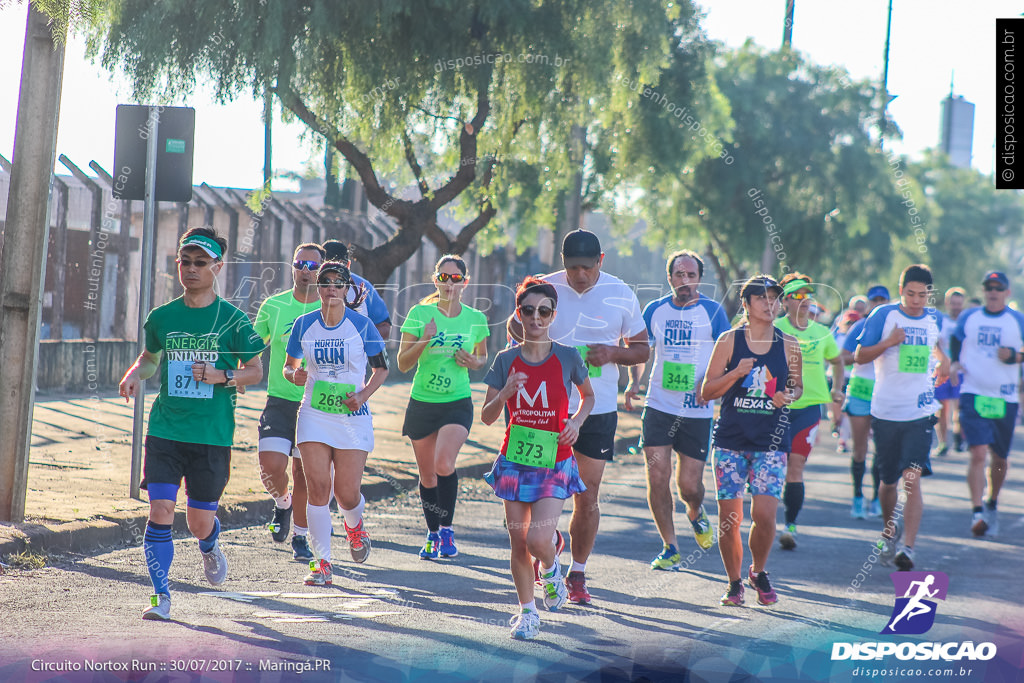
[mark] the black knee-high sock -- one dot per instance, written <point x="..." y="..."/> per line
<point x="447" y="492"/>
<point x="793" y="497"/>
<point x="876" y="476"/>
<point x="431" y="508"/>
<point x="857" y="469"/>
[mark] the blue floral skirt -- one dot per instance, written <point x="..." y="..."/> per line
<point x="526" y="484"/>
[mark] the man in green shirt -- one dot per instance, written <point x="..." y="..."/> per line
<point x="277" y="422"/>
<point x="817" y="345"/>
<point x="192" y="421"/>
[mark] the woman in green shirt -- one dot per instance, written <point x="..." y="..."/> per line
<point x="444" y="339"/>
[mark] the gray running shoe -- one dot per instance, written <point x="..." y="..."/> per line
<point x="159" y="608"/>
<point x="992" y="517"/>
<point x="979" y="523"/>
<point x="358" y="542"/>
<point x="904" y="559"/>
<point x="215" y="565"/>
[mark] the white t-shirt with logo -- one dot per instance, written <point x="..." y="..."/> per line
<point x="904" y="386"/>
<point x="683" y="339"/>
<point x="604" y="314"/>
<point x="981" y="334"/>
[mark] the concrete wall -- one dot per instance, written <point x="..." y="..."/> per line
<point x="83" y="366"/>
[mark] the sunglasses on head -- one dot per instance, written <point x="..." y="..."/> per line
<point x="306" y="265"/>
<point x="543" y="311"/>
<point x="995" y="288"/>
<point x="445" y="277"/>
<point x="799" y="296"/>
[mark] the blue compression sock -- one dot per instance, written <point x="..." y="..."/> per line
<point x="159" y="552"/>
<point x="207" y="544"/>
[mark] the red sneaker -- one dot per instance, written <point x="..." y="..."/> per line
<point x="577" y="585"/>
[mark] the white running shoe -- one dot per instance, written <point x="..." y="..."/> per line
<point x="525" y="625"/>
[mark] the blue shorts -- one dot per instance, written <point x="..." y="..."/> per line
<point x="762" y="473"/>
<point x="946" y="391"/>
<point x="857" y="407"/>
<point x="996" y="433"/>
<point x="526" y="484"/>
<point x="903" y="445"/>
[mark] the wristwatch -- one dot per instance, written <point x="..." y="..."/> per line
<point x="229" y="378"/>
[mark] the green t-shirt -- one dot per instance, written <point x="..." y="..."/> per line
<point x="816" y="345"/>
<point x="438" y="378"/>
<point x="186" y="410"/>
<point x="274" y="323"/>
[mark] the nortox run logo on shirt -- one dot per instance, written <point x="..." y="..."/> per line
<point x="678" y="332"/>
<point x="915" y="336"/>
<point x="989" y="336"/>
<point x="191" y="347"/>
<point x="329" y="352"/>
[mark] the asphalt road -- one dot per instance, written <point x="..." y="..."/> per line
<point x="399" y="618"/>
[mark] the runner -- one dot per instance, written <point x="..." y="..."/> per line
<point x="684" y="326"/>
<point x="899" y="338"/>
<point x="986" y="347"/>
<point x="334" y="425"/>
<point x="277" y="422"/>
<point x="536" y="470"/>
<point x="373" y="306"/>
<point x="443" y="338"/>
<point x="597" y="311"/>
<point x="840" y="425"/>
<point x="816" y="346"/>
<point x="756" y="370"/>
<point x="858" y="408"/>
<point x="192" y="422"/>
<point x="948" y="393"/>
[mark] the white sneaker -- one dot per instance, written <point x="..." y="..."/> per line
<point x="215" y="565"/>
<point x="992" y="518"/>
<point x="555" y="592"/>
<point x="159" y="608"/>
<point x="525" y="625"/>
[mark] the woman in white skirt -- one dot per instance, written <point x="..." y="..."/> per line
<point x="334" y="424"/>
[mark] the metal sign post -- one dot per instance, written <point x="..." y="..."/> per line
<point x="145" y="292"/>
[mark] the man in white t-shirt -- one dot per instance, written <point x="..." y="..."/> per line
<point x="900" y="339"/>
<point x="595" y="311"/>
<point x="986" y="346"/>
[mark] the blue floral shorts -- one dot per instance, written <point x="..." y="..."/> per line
<point x="763" y="473"/>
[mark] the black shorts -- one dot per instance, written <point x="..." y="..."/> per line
<point x="277" y="425"/>
<point x="423" y="419"/>
<point x="902" y="445"/>
<point x="597" y="436"/>
<point x="205" y="468"/>
<point x="690" y="436"/>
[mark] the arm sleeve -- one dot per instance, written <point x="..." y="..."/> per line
<point x="498" y="374"/>
<point x="379" y="360"/>
<point x="414" y="322"/>
<point x="154" y="344"/>
<point x="872" y="332"/>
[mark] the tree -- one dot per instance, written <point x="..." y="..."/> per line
<point x="801" y="170"/>
<point x="472" y="104"/>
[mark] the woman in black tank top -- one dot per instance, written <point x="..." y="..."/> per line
<point x="756" y="370"/>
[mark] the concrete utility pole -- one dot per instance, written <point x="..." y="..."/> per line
<point x="23" y="254"/>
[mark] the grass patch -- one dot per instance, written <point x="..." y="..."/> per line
<point x="26" y="560"/>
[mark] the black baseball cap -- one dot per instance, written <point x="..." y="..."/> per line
<point x="580" y="248"/>
<point x="335" y="250"/>
<point x="996" y="276"/>
<point x="334" y="266"/>
<point x="759" y="286"/>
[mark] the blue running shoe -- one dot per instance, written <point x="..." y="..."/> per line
<point x="448" y="548"/>
<point x="430" y="548"/>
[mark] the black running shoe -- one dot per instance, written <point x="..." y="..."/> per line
<point x="281" y="525"/>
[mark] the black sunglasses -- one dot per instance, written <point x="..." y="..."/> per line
<point x="528" y="311"/>
<point x="332" y="283"/>
<point x="994" y="288"/>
